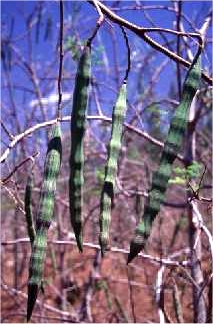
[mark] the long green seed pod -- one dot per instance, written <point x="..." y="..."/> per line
<point x="28" y="209"/>
<point x="107" y="194"/>
<point x="44" y="216"/>
<point x="78" y="123"/>
<point x="171" y="148"/>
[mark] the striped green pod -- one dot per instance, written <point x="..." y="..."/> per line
<point x="171" y="148"/>
<point x="106" y="203"/>
<point x="28" y="208"/>
<point x="78" y="124"/>
<point x="44" y="216"/>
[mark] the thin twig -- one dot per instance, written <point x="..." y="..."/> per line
<point x="197" y="274"/>
<point x="128" y="54"/>
<point x="164" y="261"/>
<point x="11" y="137"/>
<point x="178" y="6"/>
<point x="29" y="158"/>
<point x="85" y="310"/>
<point x="131" y="295"/>
<point x="15" y="199"/>
<point x="32" y="129"/>
<point x="96" y="98"/>
<point x="198" y="223"/>
<point x="61" y="55"/>
<point x="131" y="193"/>
<point x="141" y="32"/>
<point x="16" y="292"/>
<point x="98" y="23"/>
<point x="205" y="284"/>
<point x="177" y="303"/>
<point x="101" y="16"/>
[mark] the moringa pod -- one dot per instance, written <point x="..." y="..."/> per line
<point x="119" y="112"/>
<point x="78" y="124"/>
<point x="44" y="216"/>
<point x="28" y="208"/>
<point x="171" y="148"/>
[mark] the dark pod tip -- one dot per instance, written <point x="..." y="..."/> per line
<point x="32" y="296"/>
<point x="79" y="243"/>
<point x="103" y="250"/>
<point x="135" y="248"/>
<point x="78" y="236"/>
<point x="104" y="244"/>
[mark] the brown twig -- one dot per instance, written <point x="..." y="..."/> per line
<point x="167" y="262"/>
<point x="131" y="291"/>
<point x="29" y="158"/>
<point x="32" y="129"/>
<point x="98" y="23"/>
<point x="11" y="137"/>
<point x="15" y="199"/>
<point x="61" y="55"/>
<point x="178" y="7"/>
<point x="16" y="292"/>
<point x="128" y="53"/>
<point x="33" y="78"/>
<point x="141" y="32"/>
<point x="85" y="310"/>
<point x="177" y="303"/>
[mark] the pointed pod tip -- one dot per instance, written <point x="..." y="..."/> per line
<point x="104" y="245"/>
<point x="103" y="250"/>
<point x="80" y="249"/>
<point x="33" y="290"/>
<point x="79" y="244"/>
<point x="130" y="258"/>
<point x="135" y="248"/>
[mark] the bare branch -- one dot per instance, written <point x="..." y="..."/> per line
<point x="163" y="261"/>
<point x="29" y="158"/>
<point x="141" y="32"/>
<point x="15" y="292"/>
<point x="32" y="129"/>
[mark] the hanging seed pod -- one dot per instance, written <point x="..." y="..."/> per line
<point x="78" y="124"/>
<point x="171" y="148"/>
<point x="44" y="216"/>
<point x="28" y="208"/>
<point x="107" y="194"/>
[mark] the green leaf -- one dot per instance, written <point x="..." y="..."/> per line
<point x="193" y="170"/>
<point x="180" y="171"/>
<point x="177" y="180"/>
